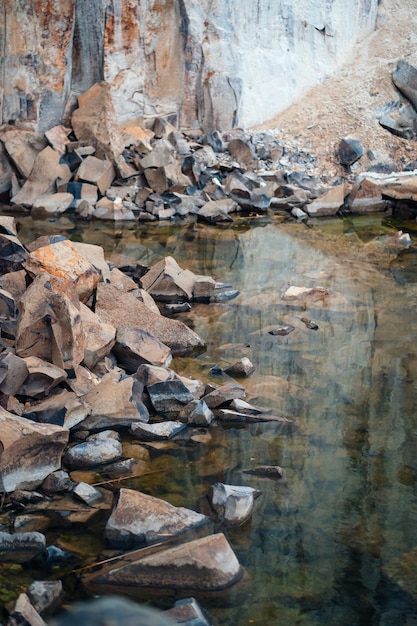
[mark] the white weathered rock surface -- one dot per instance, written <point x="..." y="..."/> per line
<point x="30" y="451"/>
<point x="244" y="61"/>
<point x="140" y="519"/>
<point x="233" y="504"/>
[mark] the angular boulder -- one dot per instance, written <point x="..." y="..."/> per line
<point x="29" y="451"/>
<point x="166" y="281"/>
<point x="233" y="504"/>
<point x="139" y="519"/>
<point x="123" y="309"/>
<point x="49" y="325"/>
<point x="405" y="79"/>
<point x="134" y="346"/>
<point x="44" y="174"/>
<point x="63" y="260"/>
<point x="115" y="404"/>
<point x="94" y="122"/>
<point x="206" y="564"/>
<point x="99" y="337"/>
<point x="98" y="449"/>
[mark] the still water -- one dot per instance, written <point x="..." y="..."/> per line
<point x="333" y="542"/>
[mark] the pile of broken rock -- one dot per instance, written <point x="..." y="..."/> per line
<point x="85" y="356"/>
<point x="98" y="170"/>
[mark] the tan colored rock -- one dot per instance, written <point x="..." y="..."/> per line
<point x="49" y="325"/>
<point x="42" y="377"/>
<point x="327" y="204"/>
<point x="6" y="171"/>
<point x="63" y="260"/>
<point x="204" y="288"/>
<point x="123" y="309"/>
<point x="137" y="137"/>
<point x="51" y="204"/>
<point x="45" y="172"/>
<point x="14" y="283"/>
<point x="166" y="281"/>
<point x="94" y="254"/>
<point x="13" y="373"/>
<point x="94" y="122"/>
<point x="122" y="281"/>
<point x="134" y="346"/>
<point x="58" y="138"/>
<point x="115" y="403"/>
<point x="63" y="409"/>
<point x="97" y="171"/>
<point x="206" y="564"/>
<point x="113" y="210"/>
<point x="139" y="519"/>
<point x="366" y="196"/>
<point x="30" y="451"/>
<point x="22" y="146"/>
<point x="25" y="613"/>
<point x="99" y="337"/>
<point x="401" y="186"/>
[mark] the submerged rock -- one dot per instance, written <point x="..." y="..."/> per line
<point x="21" y="547"/>
<point x="117" y="611"/>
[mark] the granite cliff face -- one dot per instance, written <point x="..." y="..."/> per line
<point x="210" y="63"/>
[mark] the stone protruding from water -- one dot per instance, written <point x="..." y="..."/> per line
<point x="139" y="520"/>
<point x="206" y="564"/>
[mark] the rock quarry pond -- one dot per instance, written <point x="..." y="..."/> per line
<point x="333" y="541"/>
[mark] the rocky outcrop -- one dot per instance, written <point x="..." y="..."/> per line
<point x="214" y="65"/>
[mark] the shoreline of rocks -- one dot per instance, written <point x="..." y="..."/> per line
<point x="96" y="170"/>
<point x="85" y="351"/>
<point x="85" y="360"/>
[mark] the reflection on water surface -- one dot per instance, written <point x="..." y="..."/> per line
<point x="324" y="544"/>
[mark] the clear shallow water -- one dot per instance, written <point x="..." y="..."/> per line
<point x="322" y="544"/>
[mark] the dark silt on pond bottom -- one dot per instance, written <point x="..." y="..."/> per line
<point x="333" y="541"/>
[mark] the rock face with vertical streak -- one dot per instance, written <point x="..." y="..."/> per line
<point x="211" y="64"/>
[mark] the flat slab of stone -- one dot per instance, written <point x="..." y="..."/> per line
<point x="206" y="564"/>
<point x="156" y="432"/>
<point x="139" y="519"/>
<point x="30" y="451"/>
<point x="123" y="309"/>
